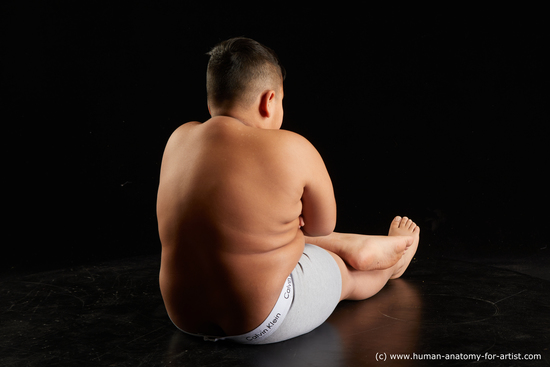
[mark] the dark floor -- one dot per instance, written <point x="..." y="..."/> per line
<point x="112" y="315"/>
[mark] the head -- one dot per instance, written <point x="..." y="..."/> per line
<point x="244" y="75"/>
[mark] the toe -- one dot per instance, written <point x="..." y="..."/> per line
<point x="396" y="221"/>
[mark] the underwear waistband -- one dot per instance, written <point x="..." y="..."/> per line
<point x="271" y="323"/>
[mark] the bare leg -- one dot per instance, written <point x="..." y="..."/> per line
<point x="363" y="252"/>
<point x="368" y="262"/>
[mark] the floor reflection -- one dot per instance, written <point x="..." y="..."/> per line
<point x="391" y="318"/>
<point x="320" y="346"/>
<point x="352" y="336"/>
<point x="113" y="314"/>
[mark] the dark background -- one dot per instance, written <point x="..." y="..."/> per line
<point x="437" y="114"/>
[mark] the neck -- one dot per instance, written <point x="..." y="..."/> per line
<point x="241" y="116"/>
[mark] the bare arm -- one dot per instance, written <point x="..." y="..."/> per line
<point x="318" y="202"/>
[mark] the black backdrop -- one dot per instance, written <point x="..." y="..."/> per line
<point x="435" y="114"/>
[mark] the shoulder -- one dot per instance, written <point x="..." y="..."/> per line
<point x="183" y="129"/>
<point x="182" y="132"/>
<point x="297" y="145"/>
<point x="294" y="153"/>
<point x="289" y="140"/>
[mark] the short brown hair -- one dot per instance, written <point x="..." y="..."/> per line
<point x="237" y="69"/>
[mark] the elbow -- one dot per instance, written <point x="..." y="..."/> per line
<point x="318" y="230"/>
<point x="315" y="233"/>
<point x="317" y="222"/>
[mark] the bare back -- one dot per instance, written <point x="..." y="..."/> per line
<point x="228" y="209"/>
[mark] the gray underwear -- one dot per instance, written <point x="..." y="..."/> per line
<point x="317" y="290"/>
<point x="315" y="284"/>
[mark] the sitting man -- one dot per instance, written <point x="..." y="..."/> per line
<point x="246" y="214"/>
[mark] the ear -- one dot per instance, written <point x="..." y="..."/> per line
<point x="267" y="103"/>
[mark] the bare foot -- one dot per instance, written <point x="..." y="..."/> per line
<point x="363" y="252"/>
<point x="404" y="227"/>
